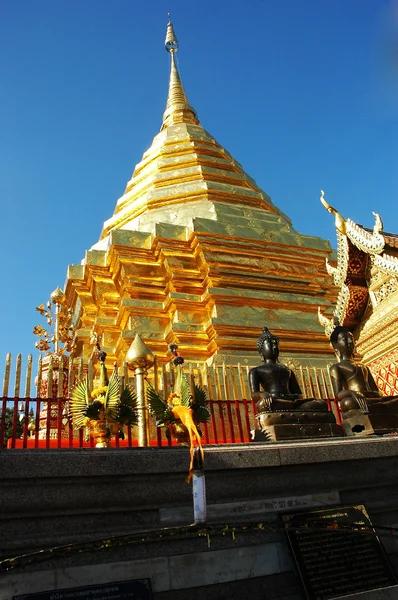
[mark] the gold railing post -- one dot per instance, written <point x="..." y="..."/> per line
<point x="6" y="380"/>
<point x="60" y="393"/>
<point x="17" y="385"/>
<point x="139" y="358"/>
<point x="70" y="377"/>
<point x="39" y="376"/>
<point x="28" y="378"/>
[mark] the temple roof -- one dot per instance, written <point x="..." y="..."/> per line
<point x="359" y="250"/>
<point x="184" y="165"/>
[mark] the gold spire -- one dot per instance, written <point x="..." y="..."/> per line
<point x="178" y="109"/>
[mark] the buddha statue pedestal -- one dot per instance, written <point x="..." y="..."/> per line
<point x="295" y="425"/>
<point x="364" y="410"/>
<point x="282" y="412"/>
<point x="357" y="423"/>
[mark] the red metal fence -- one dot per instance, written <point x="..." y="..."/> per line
<point x="44" y="423"/>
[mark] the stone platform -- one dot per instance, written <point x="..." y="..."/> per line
<point x="49" y="498"/>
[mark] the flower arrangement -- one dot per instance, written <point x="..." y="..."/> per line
<point x="106" y="409"/>
<point x="183" y="410"/>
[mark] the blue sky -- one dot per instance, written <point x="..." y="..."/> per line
<point x="303" y="94"/>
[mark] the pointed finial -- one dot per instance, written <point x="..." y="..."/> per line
<point x="178" y="109"/>
<point x="139" y="355"/>
<point x="171" y="42"/>
<point x="58" y="296"/>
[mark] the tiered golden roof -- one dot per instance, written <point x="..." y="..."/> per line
<point x="197" y="254"/>
<point x="184" y="165"/>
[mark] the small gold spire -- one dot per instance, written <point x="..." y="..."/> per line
<point x="171" y="42"/>
<point x="139" y="355"/>
<point x="178" y="109"/>
<point x="58" y="296"/>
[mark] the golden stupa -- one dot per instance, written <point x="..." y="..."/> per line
<point x="198" y="255"/>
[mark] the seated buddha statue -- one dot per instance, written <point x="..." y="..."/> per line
<point x="273" y="385"/>
<point x="353" y="384"/>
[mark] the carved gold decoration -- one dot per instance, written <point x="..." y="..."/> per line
<point x="386" y="289"/>
<point x="387" y="263"/>
<point x="60" y="332"/>
<point x="371" y="243"/>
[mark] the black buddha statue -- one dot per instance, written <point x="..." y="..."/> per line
<point x="353" y="384"/>
<point x="282" y="411"/>
<point x="280" y="388"/>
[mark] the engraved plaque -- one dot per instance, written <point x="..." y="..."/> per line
<point x="138" y="589"/>
<point x="337" y="552"/>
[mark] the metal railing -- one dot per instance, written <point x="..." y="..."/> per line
<point x="43" y="421"/>
<point x="56" y="377"/>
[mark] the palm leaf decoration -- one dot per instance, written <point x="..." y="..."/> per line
<point x="199" y="405"/>
<point x="163" y="411"/>
<point x="158" y="406"/>
<point x="112" y="397"/>
<point x="128" y="396"/>
<point x="181" y="388"/>
<point x="127" y="409"/>
<point x="80" y="400"/>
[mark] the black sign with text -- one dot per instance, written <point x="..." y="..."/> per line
<point x="138" y="589"/>
<point x="337" y="552"/>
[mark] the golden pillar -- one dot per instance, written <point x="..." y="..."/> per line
<point x="139" y="358"/>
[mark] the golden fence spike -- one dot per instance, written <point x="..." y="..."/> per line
<point x="318" y="388"/>
<point x="227" y="387"/>
<point x="28" y="378"/>
<point x="80" y="369"/>
<point x="17" y="385"/>
<point x="125" y="373"/>
<point x="70" y="376"/>
<point x="165" y="382"/>
<point x="330" y="382"/>
<point x="156" y="373"/>
<point x="200" y="377"/>
<point x="234" y="384"/>
<point x="327" y="392"/>
<point x="60" y="393"/>
<point x="241" y="382"/>
<point x="172" y="375"/>
<point x="209" y="382"/>
<point x="191" y="378"/>
<point x="218" y="382"/>
<point x="310" y="383"/>
<point x="303" y="383"/>
<point x="50" y="378"/>
<point x="90" y="374"/>
<point x="6" y="380"/>
<point x="39" y="376"/>
<point x="249" y="394"/>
